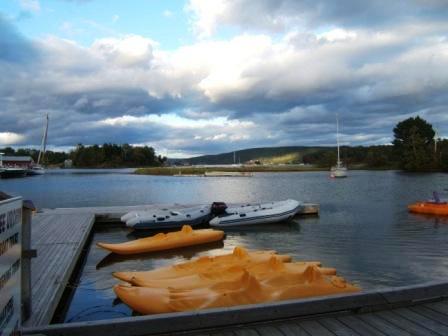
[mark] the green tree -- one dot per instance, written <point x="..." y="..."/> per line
<point x="414" y="140"/>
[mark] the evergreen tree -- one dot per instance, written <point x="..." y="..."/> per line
<point x="414" y="140"/>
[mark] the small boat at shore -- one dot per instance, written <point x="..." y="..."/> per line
<point x="12" y="172"/>
<point x="166" y="218"/>
<point x="263" y="213"/>
<point x="161" y="241"/>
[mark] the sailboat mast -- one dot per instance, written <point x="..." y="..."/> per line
<point x="234" y="160"/>
<point x="337" y="137"/>
<point x="43" y="144"/>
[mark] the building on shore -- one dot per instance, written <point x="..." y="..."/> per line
<point x="25" y="162"/>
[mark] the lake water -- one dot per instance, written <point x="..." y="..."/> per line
<point x="364" y="229"/>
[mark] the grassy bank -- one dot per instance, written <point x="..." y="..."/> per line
<point x="201" y="170"/>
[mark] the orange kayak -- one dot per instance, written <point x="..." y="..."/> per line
<point x="161" y="241"/>
<point x="430" y="208"/>
<point x="243" y="289"/>
<point x="239" y="257"/>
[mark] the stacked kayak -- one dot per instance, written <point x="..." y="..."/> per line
<point x="430" y="208"/>
<point x="161" y="241"/>
<point x="166" y="218"/>
<point x="263" y="213"/>
<point x="235" y="279"/>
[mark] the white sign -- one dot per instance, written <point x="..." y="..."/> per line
<point x="10" y="258"/>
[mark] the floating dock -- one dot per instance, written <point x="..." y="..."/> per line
<point x="60" y="235"/>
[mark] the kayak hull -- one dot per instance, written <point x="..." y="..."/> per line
<point x="161" y="241"/>
<point x="240" y="288"/>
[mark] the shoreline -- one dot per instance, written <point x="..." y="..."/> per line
<point x="199" y="171"/>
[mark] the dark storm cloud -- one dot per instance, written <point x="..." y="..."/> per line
<point x="14" y="48"/>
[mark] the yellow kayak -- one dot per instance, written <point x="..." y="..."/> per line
<point x="243" y="289"/>
<point x="261" y="270"/>
<point x="161" y="241"/>
<point x="239" y="257"/>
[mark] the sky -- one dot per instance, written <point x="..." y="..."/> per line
<point x="209" y="76"/>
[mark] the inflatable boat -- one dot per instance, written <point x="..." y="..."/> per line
<point x="166" y="218"/>
<point x="264" y="213"/>
<point x="430" y="208"/>
<point x="161" y="241"/>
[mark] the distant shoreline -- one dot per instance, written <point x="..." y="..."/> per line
<point x="190" y="170"/>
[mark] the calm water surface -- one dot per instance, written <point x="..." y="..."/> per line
<point x="363" y="230"/>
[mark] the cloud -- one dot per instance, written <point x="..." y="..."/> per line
<point x="283" y="15"/>
<point x="10" y="138"/>
<point x="168" y="14"/>
<point x="252" y="88"/>
<point x="14" y="48"/>
<point x="30" y="6"/>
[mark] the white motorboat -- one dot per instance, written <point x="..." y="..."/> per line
<point x="339" y="170"/>
<point x="166" y="218"/>
<point x="36" y="170"/>
<point x="263" y="213"/>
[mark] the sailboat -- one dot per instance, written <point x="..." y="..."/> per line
<point x="38" y="168"/>
<point x="339" y="170"/>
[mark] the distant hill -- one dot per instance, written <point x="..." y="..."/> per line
<point x="266" y="155"/>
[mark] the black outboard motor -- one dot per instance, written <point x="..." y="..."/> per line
<point x="218" y="208"/>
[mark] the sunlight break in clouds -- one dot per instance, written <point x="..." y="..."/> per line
<point x="175" y="121"/>
<point x="10" y="138"/>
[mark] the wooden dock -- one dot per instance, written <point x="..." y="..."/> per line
<point x="58" y="240"/>
<point x="59" y="236"/>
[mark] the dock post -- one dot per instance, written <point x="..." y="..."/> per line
<point x="27" y="254"/>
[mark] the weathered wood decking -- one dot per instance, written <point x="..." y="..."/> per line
<point x="60" y="234"/>
<point x="58" y="240"/>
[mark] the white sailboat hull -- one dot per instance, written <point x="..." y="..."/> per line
<point x="338" y="172"/>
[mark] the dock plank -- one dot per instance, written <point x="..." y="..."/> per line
<point x="246" y="332"/>
<point x="337" y="327"/>
<point x="422" y="320"/>
<point x="358" y="325"/>
<point x="405" y="324"/>
<point x="440" y="307"/>
<point x="58" y="240"/>
<point x="291" y="329"/>
<point x="434" y="315"/>
<point x="383" y="325"/>
<point x="268" y="331"/>
<point x="315" y="328"/>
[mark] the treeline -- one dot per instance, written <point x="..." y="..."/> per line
<point x="105" y="156"/>
<point x="377" y="157"/>
<point x="112" y="155"/>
